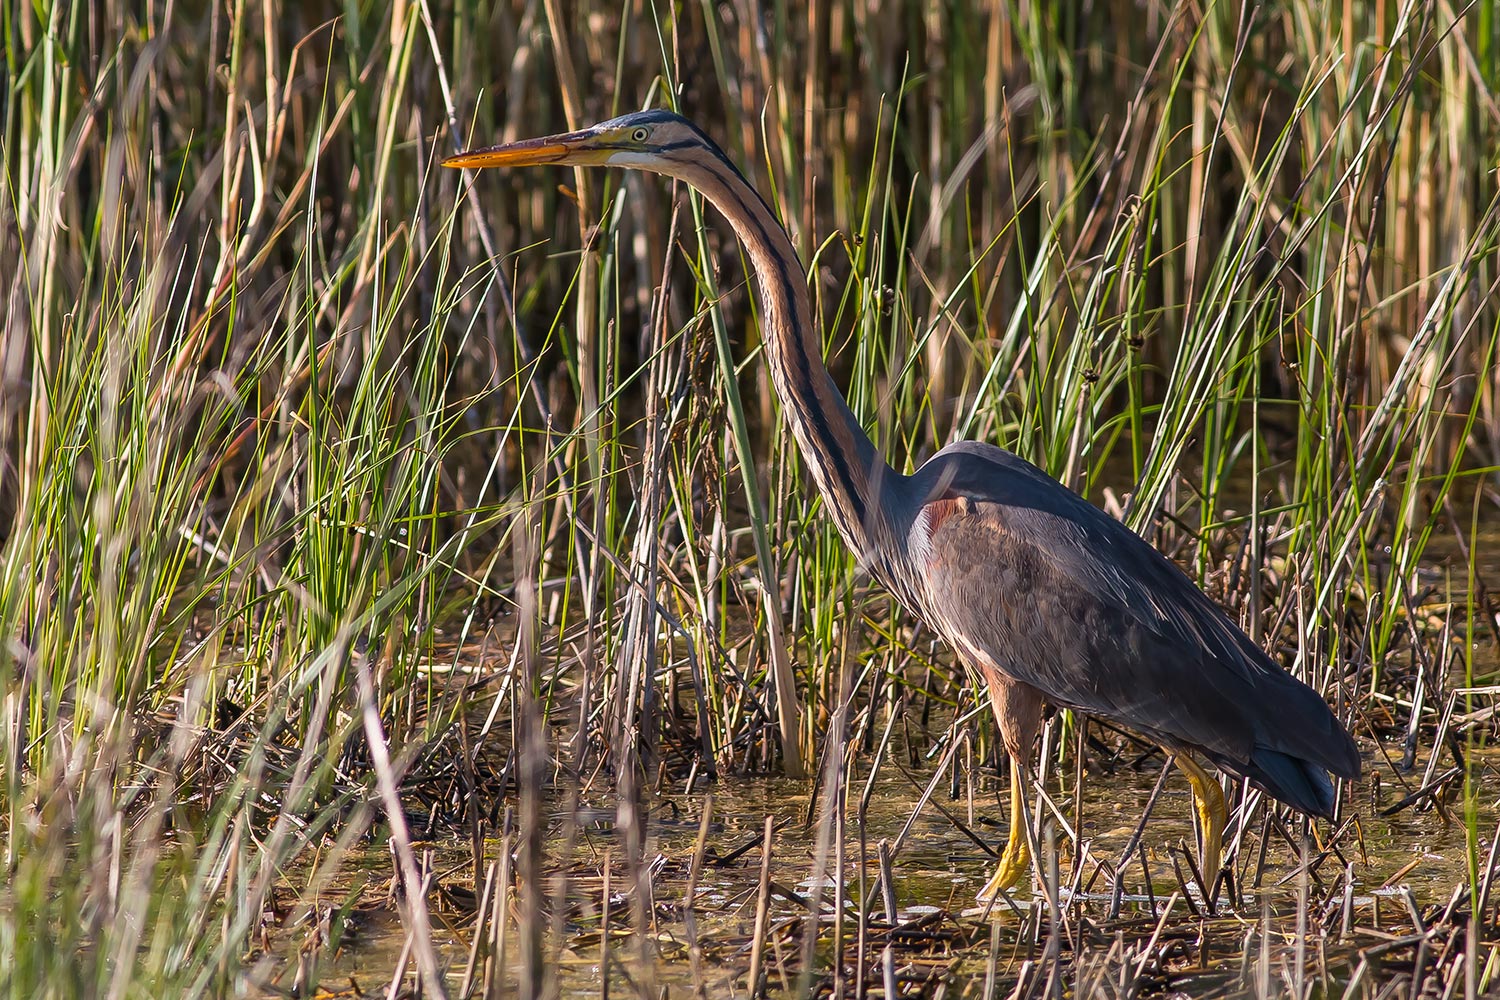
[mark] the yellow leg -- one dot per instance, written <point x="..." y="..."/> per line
<point x="1208" y="800"/>
<point x="1015" y="863"/>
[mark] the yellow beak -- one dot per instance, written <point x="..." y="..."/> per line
<point x="527" y="153"/>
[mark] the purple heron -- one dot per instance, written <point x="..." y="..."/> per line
<point x="1041" y="594"/>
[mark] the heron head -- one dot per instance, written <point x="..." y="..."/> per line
<point x="645" y="140"/>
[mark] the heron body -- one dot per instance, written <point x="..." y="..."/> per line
<point x="1041" y="594"/>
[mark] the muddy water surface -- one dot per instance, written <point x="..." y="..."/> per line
<point x="941" y="942"/>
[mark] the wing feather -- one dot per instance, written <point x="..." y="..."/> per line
<point x="1065" y="598"/>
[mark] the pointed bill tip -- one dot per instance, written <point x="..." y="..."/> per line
<point x="515" y="154"/>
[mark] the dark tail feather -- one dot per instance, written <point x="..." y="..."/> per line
<point x="1301" y="784"/>
<point x="1306" y="744"/>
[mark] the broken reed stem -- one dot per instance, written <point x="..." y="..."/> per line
<point x="1299" y="972"/>
<point x="762" y="910"/>
<point x="1117" y="889"/>
<point x="495" y="968"/>
<point x="604" y="932"/>
<point x="398" y="975"/>
<point x="887" y="881"/>
<point x="690" y="898"/>
<point x="481" y="930"/>
<point x="413" y="900"/>
<point x="992" y="963"/>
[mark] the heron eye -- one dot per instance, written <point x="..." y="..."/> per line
<point x="639" y="135"/>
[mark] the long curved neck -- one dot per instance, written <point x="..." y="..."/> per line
<point x="849" y="471"/>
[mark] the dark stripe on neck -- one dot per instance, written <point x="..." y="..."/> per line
<point x="802" y="368"/>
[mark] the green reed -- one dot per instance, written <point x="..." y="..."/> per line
<point x="291" y="423"/>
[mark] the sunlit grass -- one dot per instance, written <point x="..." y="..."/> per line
<point x="288" y="416"/>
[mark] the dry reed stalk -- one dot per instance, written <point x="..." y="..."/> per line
<point x="478" y="953"/>
<point x="762" y="909"/>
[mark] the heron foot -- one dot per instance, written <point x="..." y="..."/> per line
<point x="1014" y="865"/>
<point x="1015" y="861"/>
<point x="1208" y="801"/>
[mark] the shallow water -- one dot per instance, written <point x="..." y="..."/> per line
<point x="1359" y="921"/>
<point x="948" y="941"/>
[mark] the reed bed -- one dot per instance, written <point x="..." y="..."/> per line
<point x="383" y="556"/>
